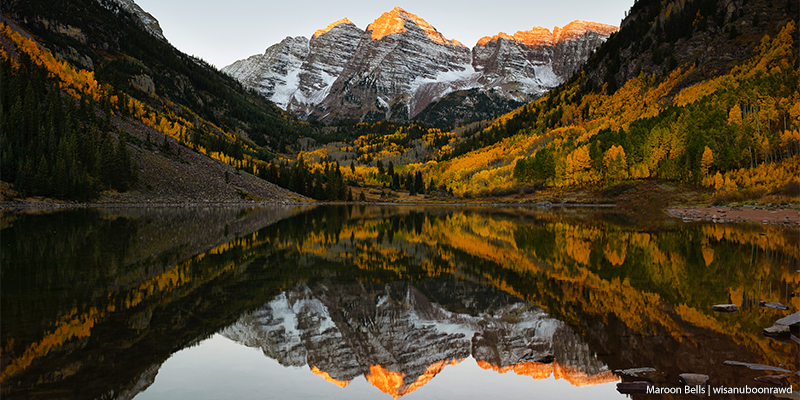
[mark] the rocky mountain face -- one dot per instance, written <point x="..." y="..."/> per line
<point x="400" y="64"/>
<point x="530" y="62"/>
<point x="342" y="331"/>
<point x="147" y="20"/>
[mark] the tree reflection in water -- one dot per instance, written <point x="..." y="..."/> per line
<point x="94" y="301"/>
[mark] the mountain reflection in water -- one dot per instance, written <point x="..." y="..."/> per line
<point x="395" y="337"/>
<point x="95" y="301"/>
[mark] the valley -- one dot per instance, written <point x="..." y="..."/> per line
<point x="685" y="95"/>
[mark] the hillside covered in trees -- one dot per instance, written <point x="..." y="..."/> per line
<point x="694" y="92"/>
<point x="94" y="103"/>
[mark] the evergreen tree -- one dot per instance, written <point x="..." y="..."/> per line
<point x="419" y="183"/>
<point x="380" y="167"/>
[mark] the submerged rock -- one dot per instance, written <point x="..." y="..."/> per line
<point x="774" y="304"/>
<point x="774" y="380"/>
<point x="639" y="387"/>
<point x="758" y="367"/>
<point x="729" y="308"/>
<point x="650" y="374"/>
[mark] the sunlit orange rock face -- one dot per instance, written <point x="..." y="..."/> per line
<point x="539" y="371"/>
<point x="538" y="36"/>
<point x="392" y="22"/>
<point x="392" y="382"/>
<point x="328" y="378"/>
<point x="331" y="26"/>
<point x="578" y="28"/>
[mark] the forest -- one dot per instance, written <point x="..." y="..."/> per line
<point x="641" y="109"/>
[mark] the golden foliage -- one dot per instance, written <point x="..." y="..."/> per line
<point x="706" y="160"/>
<point x="73" y="81"/>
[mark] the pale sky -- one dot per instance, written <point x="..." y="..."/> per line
<point x="222" y="32"/>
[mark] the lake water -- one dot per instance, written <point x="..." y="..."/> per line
<point x="365" y="302"/>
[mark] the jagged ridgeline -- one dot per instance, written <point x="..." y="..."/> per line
<point x="701" y="92"/>
<point x="84" y="76"/>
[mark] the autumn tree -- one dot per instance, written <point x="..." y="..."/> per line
<point x="707" y="160"/>
<point x="616" y="166"/>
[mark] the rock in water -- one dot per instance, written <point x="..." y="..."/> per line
<point x="639" y="387"/>
<point x="694" y="379"/>
<point x="650" y="374"/>
<point x="789" y="320"/>
<point x="758" y="367"/>
<point x="776" y="331"/>
<point x="774" y="380"/>
<point x="729" y="308"/>
<point x="776" y="305"/>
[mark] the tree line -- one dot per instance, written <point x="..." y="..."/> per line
<point x="55" y="145"/>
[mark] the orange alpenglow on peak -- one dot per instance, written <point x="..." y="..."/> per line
<point x="387" y="381"/>
<point x="538" y="36"/>
<point x="391" y="382"/>
<point x="328" y="378"/>
<point x="578" y="28"/>
<point x="539" y="371"/>
<point x="331" y="26"/>
<point x="392" y="22"/>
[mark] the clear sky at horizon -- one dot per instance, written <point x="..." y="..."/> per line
<point x="222" y="32"/>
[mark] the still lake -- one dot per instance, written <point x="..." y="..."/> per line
<point x="365" y="302"/>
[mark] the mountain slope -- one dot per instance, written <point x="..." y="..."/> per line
<point x="142" y="89"/>
<point x="701" y="92"/>
<point x="400" y="64"/>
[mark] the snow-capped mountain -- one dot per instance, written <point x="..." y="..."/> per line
<point x="400" y="64"/>
<point x="531" y="62"/>
<point x="343" y="331"/>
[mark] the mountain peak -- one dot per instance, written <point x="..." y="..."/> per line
<point x="149" y="22"/>
<point x="392" y="22"/>
<point x="331" y="26"/>
<point x="578" y="28"/>
<point x="538" y="36"/>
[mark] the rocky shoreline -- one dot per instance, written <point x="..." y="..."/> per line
<point x="765" y="215"/>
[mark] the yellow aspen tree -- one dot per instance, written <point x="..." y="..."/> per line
<point x="706" y="160"/>
<point x="580" y="159"/>
<point x="616" y="164"/>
